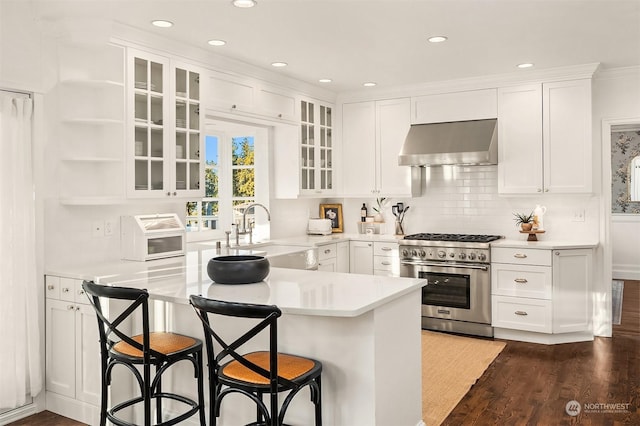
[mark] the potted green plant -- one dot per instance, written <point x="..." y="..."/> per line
<point x="524" y="221"/>
<point x="378" y="208"/>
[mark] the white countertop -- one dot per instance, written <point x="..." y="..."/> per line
<point x="543" y="244"/>
<point x="293" y="291"/>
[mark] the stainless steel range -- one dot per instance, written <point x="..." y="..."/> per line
<point x="457" y="297"/>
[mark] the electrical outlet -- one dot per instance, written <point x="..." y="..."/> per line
<point x="578" y="216"/>
<point x="109" y="228"/>
<point x="97" y="228"/>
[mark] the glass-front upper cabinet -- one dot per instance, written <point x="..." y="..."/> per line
<point x="187" y="134"/>
<point x="166" y="139"/>
<point x="316" y="148"/>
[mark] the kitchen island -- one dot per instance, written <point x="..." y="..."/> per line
<point x="364" y="329"/>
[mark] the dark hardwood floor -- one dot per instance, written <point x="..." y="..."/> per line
<point x="531" y="384"/>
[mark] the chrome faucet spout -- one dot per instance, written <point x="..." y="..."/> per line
<point x="244" y="214"/>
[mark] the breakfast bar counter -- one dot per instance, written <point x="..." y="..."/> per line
<point x="365" y="329"/>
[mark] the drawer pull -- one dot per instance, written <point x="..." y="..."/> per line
<point x="70" y="307"/>
<point x="521" y="280"/>
<point x="327" y="251"/>
<point x="521" y="313"/>
<point x="386" y="263"/>
<point x="520" y="256"/>
<point x="65" y="289"/>
<point x="50" y="287"/>
<point x="81" y="292"/>
<point x="386" y="249"/>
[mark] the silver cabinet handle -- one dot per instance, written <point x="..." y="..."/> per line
<point x="327" y="251"/>
<point x="557" y="253"/>
<point x="520" y="256"/>
<point x="386" y="263"/>
<point x="521" y="280"/>
<point x="70" y="308"/>
<point x="521" y="313"/>
<point x="50" y="287"/>
<point x="77" y="308"/>
<point x="65" y="289"/>
<point x="81" y="292"/>
<point x="386" y="249"/>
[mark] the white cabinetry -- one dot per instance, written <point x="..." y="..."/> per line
<point x="361" y="257"/>
<point x="372" y="136"/>
<point x="544" y="134"/>
<point x="386" y="260"/>
<point x="72" y="351"/>
<point x="164" y="135"/>
<point x="316" y="148"/>
<point x="334" y="257"/>
<point x="240" y="95"/>
<point x="458" y="106"/>
<point x="542" y="291"/>
<point x="91" y="131"/>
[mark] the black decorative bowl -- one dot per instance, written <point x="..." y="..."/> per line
<point x="240" y="269"/>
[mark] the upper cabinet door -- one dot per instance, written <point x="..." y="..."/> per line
<point x="520" y="139"/>
<point x="567" y="137"/>
<point x="392" y="126"/>
<point x="457" y="106"/>
<point x="359" y="149"/>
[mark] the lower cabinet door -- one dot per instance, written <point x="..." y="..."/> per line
<point x="520" y="313"/>
<point x="327" y="265"/>
<point x="87" y="368"/>
<point x="60" y="347"/>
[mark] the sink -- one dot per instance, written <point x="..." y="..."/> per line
<point x="280" y="255"/>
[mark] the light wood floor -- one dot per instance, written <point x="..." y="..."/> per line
<point x="530" y="384"/>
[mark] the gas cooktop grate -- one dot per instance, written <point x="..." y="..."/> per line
<point x="453" y="237"/>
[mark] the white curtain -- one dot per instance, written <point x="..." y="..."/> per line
<point x="20" y="362"/>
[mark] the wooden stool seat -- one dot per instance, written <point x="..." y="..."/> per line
<point x="162" y="342"/>
<point x="290" y="367"/>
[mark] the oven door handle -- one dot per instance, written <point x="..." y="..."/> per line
<point x="446" y="265"/>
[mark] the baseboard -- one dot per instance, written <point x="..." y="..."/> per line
<point x="72" y="408"/>
<point x="626" y="272"/>
<point x="18" y="413"/>
<point x="542" y="338"/>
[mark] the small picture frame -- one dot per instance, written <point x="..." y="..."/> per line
<point x="334" y="213"/>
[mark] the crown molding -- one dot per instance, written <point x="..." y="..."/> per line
<point x="615" y="73"/>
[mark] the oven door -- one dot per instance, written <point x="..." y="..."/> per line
<point x="454" y="291"/>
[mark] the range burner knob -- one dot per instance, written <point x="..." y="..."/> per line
<point x="414" y="253"/>
<point x="482" y="257"/>
<point x="405" y="252"/>
<point x="462" y="256"/>
<point x="441" y="254"/>
<point x="422" y="253"/>
<point x="472" y="256"/>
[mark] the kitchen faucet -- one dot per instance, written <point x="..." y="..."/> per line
<point x="244" y="223"/>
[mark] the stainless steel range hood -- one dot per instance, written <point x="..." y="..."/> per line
<point x="459" y="143"/>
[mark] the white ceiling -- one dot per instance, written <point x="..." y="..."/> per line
<point x="385" y="41"/>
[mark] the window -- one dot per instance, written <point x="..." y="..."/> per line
<point x="235" y="176"/>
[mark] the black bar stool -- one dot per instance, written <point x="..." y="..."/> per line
<point x="257" y="373"/>
<point x="160" y="349"/>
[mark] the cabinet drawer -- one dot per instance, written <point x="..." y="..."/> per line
<point x="327" y="251"/>
<point x="521" y="256"/>
<point x="52" y="287"/>
<point x="385" y="249"/>
<point x="383" y="263"/>
<point x="521" y="280"/>
<point x="520" y="313"/>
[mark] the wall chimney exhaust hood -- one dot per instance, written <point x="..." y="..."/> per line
<point x="472" y="142"/>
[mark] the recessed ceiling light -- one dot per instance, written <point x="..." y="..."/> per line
<point x="217" y="42"/>
<point x="525" y="65"/>
<point x="279" y="64"/>
<point x="162" y="24"/>
<point x="437" y="39"/>
<point x="325" y="80"/>
<point x="369" y="84"/>
<point x="244" y="3"/>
